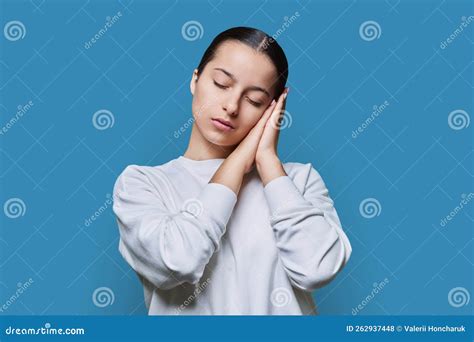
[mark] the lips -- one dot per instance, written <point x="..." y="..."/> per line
<point x="224" y="122"/>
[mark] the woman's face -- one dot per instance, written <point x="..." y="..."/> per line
<point x="232" y="92"/>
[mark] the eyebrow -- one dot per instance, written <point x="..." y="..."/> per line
<point x="251" y="88"/>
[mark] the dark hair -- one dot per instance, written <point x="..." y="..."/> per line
<point x="258" y="40"/>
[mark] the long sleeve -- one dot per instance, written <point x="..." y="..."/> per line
<point x="165" y="245"/>
<point x="311" y="243"/>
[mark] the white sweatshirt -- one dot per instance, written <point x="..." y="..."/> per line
<point x="199" y="249"/>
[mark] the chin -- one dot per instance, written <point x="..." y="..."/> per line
<point x="219" y="139"/>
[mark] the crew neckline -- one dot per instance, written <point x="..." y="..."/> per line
<point x="200" y="162"/>
<point x="205" y="165"/>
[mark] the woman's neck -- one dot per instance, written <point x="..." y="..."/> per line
<point x="199" y="148"/>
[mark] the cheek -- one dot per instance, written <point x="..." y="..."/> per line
<point x="249" y="118"/>
<point x="252" y="114"/>
<point x="204" y="102"/>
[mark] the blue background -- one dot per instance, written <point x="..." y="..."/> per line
<point x="409" y="158"/>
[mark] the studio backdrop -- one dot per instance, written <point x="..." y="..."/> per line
<point x="380" y="105"/>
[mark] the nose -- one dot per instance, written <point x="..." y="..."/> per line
<point x="231" y="105"/>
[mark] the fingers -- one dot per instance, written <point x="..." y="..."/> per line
<point x="279" y="109"/>
<point x="274" y="107"/>
<point x="280" y="105"/>
<point x="257" y="130"/>
<point x="269" y="110"/>
<point x="266" y="115"/>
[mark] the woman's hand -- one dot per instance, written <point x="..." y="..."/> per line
<point x="267" y="146"/>
<point x="268" y="164"/>
<point x="240" y="161"/>
<point x="246" y="151"/>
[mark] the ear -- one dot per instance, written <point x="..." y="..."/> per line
<point x="192" y="84"/>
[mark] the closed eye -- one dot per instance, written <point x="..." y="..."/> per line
<point x="220" y="85"/>
<point x="253" y="103"/>
<point x="256" y="104"/>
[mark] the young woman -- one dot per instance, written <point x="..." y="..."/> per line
<point x="227" y="228"/>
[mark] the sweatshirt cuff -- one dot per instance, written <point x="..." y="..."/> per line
<point x="281" y="191"/>
<point x="218" y="200"/>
